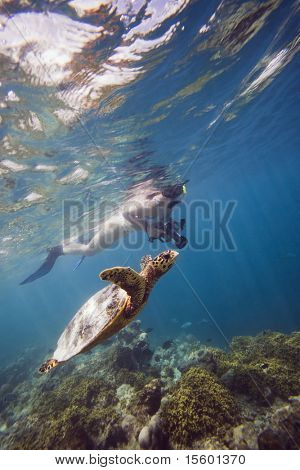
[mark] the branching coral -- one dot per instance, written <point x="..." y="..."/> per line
<point x="198" y="406"/>
<point x="269" y="345"/>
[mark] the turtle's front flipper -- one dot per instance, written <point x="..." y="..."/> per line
<point x="128" y="279"/>
<point x="47" y="265"/>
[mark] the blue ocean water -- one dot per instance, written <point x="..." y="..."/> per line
<point x="205" y="91"/>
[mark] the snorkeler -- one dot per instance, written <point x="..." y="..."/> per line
<point x="145" y="202"/>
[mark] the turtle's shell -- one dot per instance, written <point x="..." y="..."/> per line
<point x="91" y="322"/>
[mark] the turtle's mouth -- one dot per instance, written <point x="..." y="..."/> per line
<point x="171" y="255"/>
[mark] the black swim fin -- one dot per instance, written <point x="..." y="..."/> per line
<point x="79" y="263"/>
<point x="47" y="265"/>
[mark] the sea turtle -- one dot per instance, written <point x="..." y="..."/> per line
<point x="110" y="309"/>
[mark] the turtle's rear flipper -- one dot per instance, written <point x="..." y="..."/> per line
<point x="47" y="265"/>
<point x="48" y="365"/>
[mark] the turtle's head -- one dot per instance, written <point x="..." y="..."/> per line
<point x="164" y="261"/>
<point x="48" y="365"/>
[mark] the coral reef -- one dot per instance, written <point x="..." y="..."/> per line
<point x="130" y="394"/>
<point x="153" y="436"/>
<point x="198" y="406"/>
<point x="150" y="397"/>
<point x="263" y="367"/>
<point x="78" y="413"/>
<point x="283" y="428"/>
<point x="277" y="429"/>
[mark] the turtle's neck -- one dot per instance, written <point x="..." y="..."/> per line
<point x="150" y="276"/>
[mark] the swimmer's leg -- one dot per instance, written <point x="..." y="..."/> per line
<point x="54" y="253"/>
<point x="78" y="249"/>
<point x="105" y="238"/>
